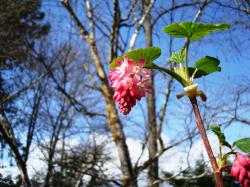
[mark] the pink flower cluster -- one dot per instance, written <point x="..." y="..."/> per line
<point x="241" y="169"/>
<point x="131" y="82"/>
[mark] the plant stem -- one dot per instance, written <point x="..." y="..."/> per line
<point x="220" y="148"/>
<point x="192" y="77"/>
<point x="199" y="122"/>
<point x="186" y="58"/>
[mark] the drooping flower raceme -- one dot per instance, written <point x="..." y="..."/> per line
<point x="241" y="169"/>
<point x="130" y="82"/>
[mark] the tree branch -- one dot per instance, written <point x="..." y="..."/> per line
<point x="83" y="30"/>
<point x="139" y="24"/>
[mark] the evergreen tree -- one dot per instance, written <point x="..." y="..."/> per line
<point x="6" y="181"/>
<point x="20" y="25"/>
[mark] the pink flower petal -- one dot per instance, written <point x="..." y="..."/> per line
<point x="242" y="159"/>
<point x="246" y="183"/>
<point x="235" y="171"/>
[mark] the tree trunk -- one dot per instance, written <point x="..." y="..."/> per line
<point x="129" y="178"/>
<point x="8" y="136"/>
<point x="114" y="123"/>
<point x="152" y="125"/>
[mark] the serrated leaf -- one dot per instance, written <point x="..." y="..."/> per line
<point x="207" y="65"/>
<point x="177" y="56"/>
<point x="149" y="54"/>
<point x="216" y="129"/>
<point x="193" y="31"/>
<point x="243" y="144"/>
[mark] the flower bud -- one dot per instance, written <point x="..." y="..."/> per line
<point x="246" y="183"/>
<point x="241" y="179"/>
<point x="235" y="171"/>
<point x="243" y="172"/>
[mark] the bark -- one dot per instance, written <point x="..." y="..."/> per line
<point x="115" y="31"/>
<point x="114" y="121"/>
<point x="152" y="125"/>
<point x="8" y="136"/>
<point x="141" y="21"/>
<point x="51" y="153"/>
<point x="119" y="139"/>
<point x="56" y="131"/>
<point x="32" y="123"/>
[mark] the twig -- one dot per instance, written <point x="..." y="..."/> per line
<point x="19" y="92"/>
<point x="139" y="25"/>
<point x="171" y="9"/>
<point x="175" y="177"/>
<point x="198" y="15"/>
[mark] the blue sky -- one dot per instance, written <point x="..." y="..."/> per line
<point x="231" y="47"/>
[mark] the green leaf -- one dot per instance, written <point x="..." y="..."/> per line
<point x="243" y="144"/>
<point x="177" y="30"/>
<point x="216" y="129"/>
<point x="149" y="54"/>
<point x="207" y="65"/>
<point x="198" y="73"/>
<point x="177" y="56"/>
<point x="193" y="31"/>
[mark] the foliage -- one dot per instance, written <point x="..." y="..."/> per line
<point x="6" y="181"/>
<point x="78" y="163"/>
<point x="149" y="54"/>
<point x="20" y="27"/>
<point x="216" y="129"/>
<point x="177" y="57"/>
<point x="193" y="31"/>
<point x="207" y="65"/>
<point x="19" y="30"/>
<point x="186" y="74"/>
<point x="243" y="144"/>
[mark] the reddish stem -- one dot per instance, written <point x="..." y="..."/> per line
<point x="199" y="122"/>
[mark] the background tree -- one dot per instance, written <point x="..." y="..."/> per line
<point x="20" y="28"/>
